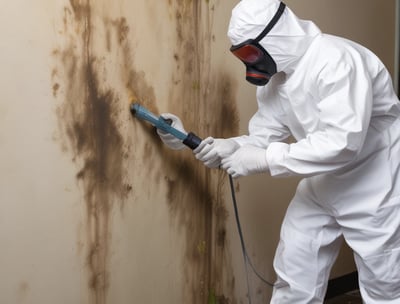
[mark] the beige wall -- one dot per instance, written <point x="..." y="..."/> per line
<point x="93" y="209"/>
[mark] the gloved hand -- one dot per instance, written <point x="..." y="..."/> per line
<point x="212" y="150"/>
<point x="169" y="140"/>
<point x="245" y="161"/>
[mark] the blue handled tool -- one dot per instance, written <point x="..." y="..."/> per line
<point x="191" y="140"/>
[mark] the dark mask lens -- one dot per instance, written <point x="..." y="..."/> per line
<point x="256" y="77"/>
<point x="257" y="81"/>
<point x="248" y="53"/>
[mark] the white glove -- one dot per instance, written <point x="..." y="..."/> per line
<point x="245" y="161"/>
<point x="169" y="140"/>
<point x="212" y="150"/>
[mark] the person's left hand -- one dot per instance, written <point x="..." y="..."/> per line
<point x="168" y="139"/>
<point x="245" y="161"/>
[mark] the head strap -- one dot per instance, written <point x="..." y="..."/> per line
<point x="273" y="21"/>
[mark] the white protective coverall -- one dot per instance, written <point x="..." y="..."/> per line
<point x="336" y="98"/>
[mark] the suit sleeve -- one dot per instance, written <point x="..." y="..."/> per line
<point x="344" y="106"/>
<point x="267" y="124"/>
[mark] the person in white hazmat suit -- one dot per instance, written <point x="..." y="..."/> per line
<point x="336" y="99"/>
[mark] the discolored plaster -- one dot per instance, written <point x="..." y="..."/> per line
<point x="205" y="97"/>
<point x="90" y="117"/>
<point x="89" y="121"/>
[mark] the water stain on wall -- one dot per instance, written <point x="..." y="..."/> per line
<point x="23" y="291"/>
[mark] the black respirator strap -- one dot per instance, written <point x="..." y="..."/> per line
<point x="274" y="20"/>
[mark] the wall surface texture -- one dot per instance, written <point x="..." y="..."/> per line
<point x="93" y="208"/>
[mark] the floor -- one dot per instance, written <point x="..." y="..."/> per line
<point x="348" y="298"/>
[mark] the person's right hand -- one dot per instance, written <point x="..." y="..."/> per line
<point x="246" y="161"/>
<point x="168" y="139"/>
<point x="211" y="150"/>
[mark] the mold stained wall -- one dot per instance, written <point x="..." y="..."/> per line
<point x="93" y="208"/>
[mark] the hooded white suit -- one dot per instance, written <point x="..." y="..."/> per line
<point x="336" y="98"/>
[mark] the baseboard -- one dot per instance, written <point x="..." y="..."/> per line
<point x="342" y="285"/>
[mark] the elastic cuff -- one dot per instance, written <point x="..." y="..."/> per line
<point x="240" y="140"/>
<point x="276" y="153"/>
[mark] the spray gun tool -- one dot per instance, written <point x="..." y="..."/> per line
<point x="190" y="139"/>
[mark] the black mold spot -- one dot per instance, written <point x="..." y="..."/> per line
<point x="56" y="86"/>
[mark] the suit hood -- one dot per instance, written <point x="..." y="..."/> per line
<point x="288" y="40"/>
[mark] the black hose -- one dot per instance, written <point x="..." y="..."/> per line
<point x="246" y="257"/>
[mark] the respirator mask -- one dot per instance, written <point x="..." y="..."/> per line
<point x="259" y="64"/>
